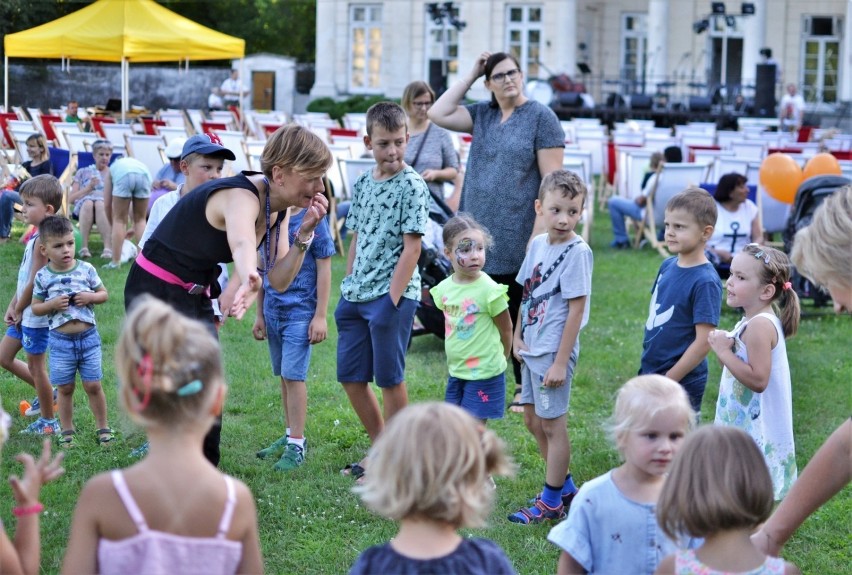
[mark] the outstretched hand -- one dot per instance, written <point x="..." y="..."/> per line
<point x="245" y="296"/>
<point x="36" y="473"/>
<point x="315" y="213"/>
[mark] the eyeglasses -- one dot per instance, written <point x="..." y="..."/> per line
<point x="503" y="76"/>
<point x="422" y="104"/>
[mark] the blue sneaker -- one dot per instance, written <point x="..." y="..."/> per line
<point x="42" y="426"/>
<point x="35" y="407"/>
<point x="140" y="451"/>
<point x="275" y="450"/>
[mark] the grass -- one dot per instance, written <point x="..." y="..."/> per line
<point x="310" y="522"/>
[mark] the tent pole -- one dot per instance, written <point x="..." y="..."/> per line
<point x="123" y="88"/>
<point x="6" y="82"/>
<point x="240" y="103"/>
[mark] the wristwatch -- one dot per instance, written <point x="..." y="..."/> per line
<point x="303" y="245"/>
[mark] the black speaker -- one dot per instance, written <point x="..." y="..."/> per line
<point x="570" y="100"/>
<point x="614" y="101"/>
<point x="764" y="90"/>
<point x="699" y="104"/>
<point x="437" y="80"/>
<point x="641" y="102"/>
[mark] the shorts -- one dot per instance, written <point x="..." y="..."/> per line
<point x="482" y="398"/>
<point x="289" y="346"/>
<point x="365" y="328"/>
<point x="33" y="339"/>
<point x="132" y="185"/>
<point x="550" y="402"/>
<point x="73" y="352"/>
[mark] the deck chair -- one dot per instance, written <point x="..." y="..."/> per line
<point x="578" y="166"/>
<point x="195" y="118"/>
<point x="225" y="117"/>
<point x="98" y="123"/>
<point x="59" y="130"/>
<point x="670" y="180"/>
<point x="632" y="165"/>
<point x="172" y="132"/>
<point x="233" y="140"/>
<point x="150" y="125"/>
<point x="772" y="213"/>
<point x="254" y="150"/>
<point x="587" y="158"/>
<point x="147" y="149"/>
<point x="350" y="170"/>
<point x="80" y="141"/>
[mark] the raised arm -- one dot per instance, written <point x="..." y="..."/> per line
<point x="447" y="111"/>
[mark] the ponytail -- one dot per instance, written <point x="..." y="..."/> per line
<point x="789" y="310"/>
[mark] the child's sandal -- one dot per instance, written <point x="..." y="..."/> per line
<point x="516" y="406"/>
<point x="105" y="436"/>
<point x="66" y="439"/>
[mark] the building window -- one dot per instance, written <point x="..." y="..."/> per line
<point x="820" y="59"/>
<point x="442" y="50"/>
<point x="365" y="41"/>
<point x="634" y="48"/>
<point x="726" y="52"/>
<point x="523" y="37"/>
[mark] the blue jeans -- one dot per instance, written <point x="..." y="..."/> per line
<point x="618" y="209"/>
<point x="8" y="199"/>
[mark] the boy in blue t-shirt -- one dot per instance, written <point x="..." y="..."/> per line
<point x="686" y="298"/>
<point x="379" y="295"/>
<point x="292" y="321"/>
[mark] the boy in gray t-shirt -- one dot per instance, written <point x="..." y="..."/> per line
<point x="556" y="276"/>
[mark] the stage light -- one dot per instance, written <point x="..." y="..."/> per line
<point x="717" y="7"/>
<point x="700" y="26"/>
<point x="748" y="9"/>
<point x="730" y="21"/>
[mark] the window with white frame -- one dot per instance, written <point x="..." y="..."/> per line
<point x="442" y="45"/>
<point x="365" y="43"/>
<point x="524" y="36"/>
<point x="821" y="58"/>
<point x="634" y="42"/>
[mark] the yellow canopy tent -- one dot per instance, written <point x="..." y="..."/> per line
<point x="121" y="31"/>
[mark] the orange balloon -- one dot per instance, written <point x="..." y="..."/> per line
<point x="781" y="176"/>
<point x="822" y="164"/>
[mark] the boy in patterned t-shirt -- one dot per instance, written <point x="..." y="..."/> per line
<point x="65" y="290"/>
<point x="390" y="206"/>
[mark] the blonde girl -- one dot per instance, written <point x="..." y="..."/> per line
<point x="719" y="489"/>
<point x="611" y="527"/>
<point x="430" y="472"/>
<point x="478" y="329"/>
<point x="87" y="193"/>
<point x="172" y="512"/>
<point x="24" y="555"/>
<point x="755" y="392"/>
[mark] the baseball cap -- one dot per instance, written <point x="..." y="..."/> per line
<point x="175" y="148"/>
<point x="206" y="145"/>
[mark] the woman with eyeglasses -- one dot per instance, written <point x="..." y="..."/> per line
<point x="516" y="142"/>
<point x="430" y="148"/>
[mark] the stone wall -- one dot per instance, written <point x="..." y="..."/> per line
<point x="154" y="87"/>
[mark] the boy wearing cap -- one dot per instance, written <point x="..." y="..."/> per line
<point x="201" y="160"/>
<point x="170" y="175"/>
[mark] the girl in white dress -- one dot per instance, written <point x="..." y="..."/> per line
<point x="755" y="392"/>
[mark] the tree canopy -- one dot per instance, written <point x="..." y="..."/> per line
<point x="286" y="27"/>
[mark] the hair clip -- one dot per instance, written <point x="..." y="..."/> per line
<point x="763" y="256"/>
<point x="787" y="286"/>
<point x="190" y="388"/>
<point x="145" y="369"/>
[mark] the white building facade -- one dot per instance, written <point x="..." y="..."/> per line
<point x="629" y="46"/>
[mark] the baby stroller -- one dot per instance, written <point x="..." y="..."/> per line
<point x="811" y="193"/>
<point x="434" y="268"/>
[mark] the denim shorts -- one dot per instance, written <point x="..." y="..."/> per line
<point x="372" y="338"/>
<point x="482" y="398"/>
<point x="289" y="346"/>
<point x="133" y="185"/>
<point x="73" y="352"/>
<point x="33" y="339"/>
<point x="550" y="402"/>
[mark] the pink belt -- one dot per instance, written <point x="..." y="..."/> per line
<point x="169" y="277"/>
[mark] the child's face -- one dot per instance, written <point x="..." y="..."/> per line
<point x="35" y="210"/>
<point x="684" y="235"/>
<point x="649" y="448"/>
<point x="745" y="288"/>
<point x="388" y="149"/>
<point x="467" y="255"/>
<point x="560" y="214"/>
<point x="59" y="250"/>
<point x="201" y="170"/>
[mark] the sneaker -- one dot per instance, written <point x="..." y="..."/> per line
<point x="35" y="407"/>
<point x="538" y="513"/>
<point x="274" y="450"/>
<point x="567" y="498"/>
<point x="42" y="426"/>
<point x="619" y="245"/>
<point x="110" y="265"/>
<point x="293" y="457"/>
<point x="140" y="451"/>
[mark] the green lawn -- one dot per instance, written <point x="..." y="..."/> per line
<point x="309" y="520"/>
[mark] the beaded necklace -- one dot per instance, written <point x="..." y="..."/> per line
<point x="268" y="263"/>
